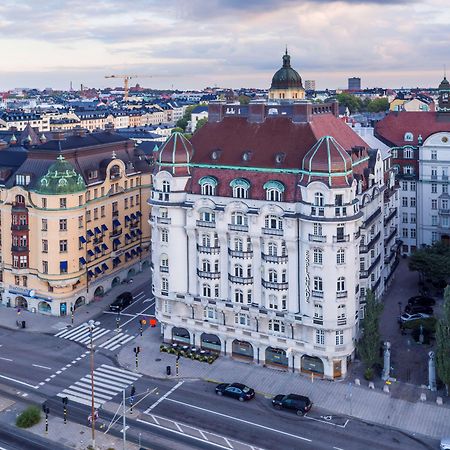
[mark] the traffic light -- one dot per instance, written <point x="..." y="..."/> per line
<point x="137" y="350"/>
<point x="133" y="391"/>
<point x="65" y="400"/>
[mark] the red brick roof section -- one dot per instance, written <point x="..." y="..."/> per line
<point x="393" y="127"/>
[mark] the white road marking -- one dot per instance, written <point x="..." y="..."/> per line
<point x="240" y="420"/>
<point x="338" y="448"/>
<point x="228" y="442"/>
<point x="5" y="359"/>
<point x="140" y="313"/>
<point x="327" y="421"/>
<point x="126" y="428"/>
<point x="203" y="434"/>
<point x="163" y="397"/>
<point x="41" y="367"/>
<point x="19" y="382"/>
<point x="124" y="314"/>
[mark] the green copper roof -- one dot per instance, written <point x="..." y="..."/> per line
<point x="61" y="178"/>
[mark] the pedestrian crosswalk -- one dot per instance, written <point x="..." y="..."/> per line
<point x="82" y="334"/>
<point x="108" y="382"/>
<point x="116" y="341"/>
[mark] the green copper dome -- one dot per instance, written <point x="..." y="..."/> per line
<point x="286" y="77"/>
<point x="61" y="178"/>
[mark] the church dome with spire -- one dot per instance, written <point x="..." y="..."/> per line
<point x="286" y="82"/>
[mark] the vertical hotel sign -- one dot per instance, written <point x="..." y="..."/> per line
<point x="307" y="291"/>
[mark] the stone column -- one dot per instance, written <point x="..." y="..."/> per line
<point x="387" y="361"/>
<point x="432" y="372"/>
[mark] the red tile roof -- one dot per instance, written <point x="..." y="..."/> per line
<point x="393" y="127"/>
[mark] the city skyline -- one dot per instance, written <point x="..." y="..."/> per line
<point x="225" y="43"/>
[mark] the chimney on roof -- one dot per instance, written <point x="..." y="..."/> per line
<point x="256" y="112"/>
<point x="80" y="132"/>
<point x="109" y="127"/>
<point x="301" y="112"/>
<point x="216" y="112"/>
<point x="59" y="136"/>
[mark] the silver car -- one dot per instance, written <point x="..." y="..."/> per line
<point x="405" y="317"/>
<point x="445" y="443"/>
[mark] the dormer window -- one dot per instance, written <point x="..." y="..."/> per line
<point x="23" y="180"/>
<point x="409" y="137"/>
<point x="407" y="153"/>
<point x="114" y="173"/>
<point x="240" y="188"/>
<point x="279" y="157"/>
<point x="274" y="191"/>
<point x="208" y="185"/>
<point x="246" y="156"/>
<point x="92" y="174"/>
<point x="215" y="155"/>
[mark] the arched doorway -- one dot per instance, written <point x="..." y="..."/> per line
<point x="276" y="356"/>
<point x="21" y="303"/>
<point x="99" y="292"/>
<point x="312" y="364"/>
<point x="79" y="302"/>
<point x="115" y="282"/>
<point x="131" y="273"/>
<point x="44" y="308"/>
<point x="210" y="342"/>
<point x="181" y="335"/>
<point x="242" y="349"/>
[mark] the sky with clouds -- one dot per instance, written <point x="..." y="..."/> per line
<point x="190" y="44"/>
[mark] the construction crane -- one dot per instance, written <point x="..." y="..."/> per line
<point x="126" y="79"/>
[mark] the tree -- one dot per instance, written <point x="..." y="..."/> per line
<point x="177" y="130"/>
<point x="244" y="99"/>
<point x="378" y="105"/>
<point x="443" y="342"/>
<point x="200" y="123"/>
<point x="369" y="344"/>
<point x="432" y="262"/>
<point x="183" y="122"/>
<point x="353" y="103"/>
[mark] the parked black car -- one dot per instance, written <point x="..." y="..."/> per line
<point x="121" y="302"/>
<point x="417" y="308"/>
<point x="235" y="390"/>
<point x="298" y="403"/>
<point x="421" y="300"/>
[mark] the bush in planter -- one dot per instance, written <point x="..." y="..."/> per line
<point x="172" y="351"/>
<point x="163" y="348"/>
<point x="368" y="374"/>
<point x="29" y="417"/>
<point x="210" y="359"/>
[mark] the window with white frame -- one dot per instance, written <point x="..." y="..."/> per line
<point x="249" y="296"/>
<point x="317" y="229"/>
<point x="164" y="235"/>
<point x="210" y="313"/>
<point x="318" y="256"/>
<point x="408" y="170"/>
<point x="284" y="302"/>
<point x="340" y="337"/>
<point x="206" y="240"/>
<point x="273" y="222"/>
<point x="341" y="311"/>
<point x="216" y="291"/>
<point x="318" y="311"/>
<point x="319" y="199"/>
<point x="207" y="216"/>
<point x="242" y="319"/>
<point x="320" y="337"/>
<point x="164" y="260"/>
<point x="240" y="188"/>
<point x="433" y="204"/>
<point x="434" y="188"/>
<point x="239" y="218"/>
<point x="238" y="296"/>
<point x="206" y="290"/>
<point x="412" y="185"/>
<point x="433" y="154"/>
<point x="167" y="307"/>
<point x="409" y="137"/>
<point x="318" y="284"/>
<point x="340" y="284"/>
<point x="238" y="245"/>
<point x="340" y="256"/>
<point x="407" y="153"/>
<point x="206" y="265"/>
<point x="164" y="284"/>
<point x="208" y="185"/>
<point x="404" y="185"/>
<point x="274" y="191"/>
<point x="238" y="270"/>
<point x="165" y="186"/>
<point x="273" y="302"/>
<point x="277" y="326"/>
<point x="284" y="276"/>
<point x="272" y="248"/>
<point x="272" y="276"/>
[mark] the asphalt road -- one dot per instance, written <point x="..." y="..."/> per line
<point x="175" y="415"/>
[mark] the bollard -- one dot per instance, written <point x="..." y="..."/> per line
<point x="168" y="370"/>
<point x="423" y="397"/>
<point x="357" y="382"/>
<point x="386" y="389"/>
<point x="439" y="401"/>
<point x="371" y="385"/>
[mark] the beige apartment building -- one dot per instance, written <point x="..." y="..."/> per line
<point x="74" y="219"/>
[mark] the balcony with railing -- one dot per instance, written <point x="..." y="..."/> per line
<point x="206" y="224"/>
<point x="341" y="294"/>
<point x="240" y="280"/>
<point x="19" y="248"/>
<point x="275" y="285"/>
<point x="273" y="231"/>
<point x="371" y="218"/>
<point x="19" y="227"/>
<point x="392" y="234"/>
<point x="444" y="211"/>
<point x="391" y="215"/>
<point x="318" y="320"/>
<point x="208" y="250"/>
<point x="164" y="269"/>
<point x="317" y="294"/>
<point x="341" y="238"/>
<point x="163" y="220"/>
<point x="317" y="238"/>
<point x="235" y="227"/>
<point x="274" y="258"/>
<point x="240" y="254"/>
<point x="364" y="248"/>
<point x="115" y="232"/>
<point x="341" y="321"/>
<point x="209" y="275"/>
<point x="365" y="273"/>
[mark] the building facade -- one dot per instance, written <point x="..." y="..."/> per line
<point x="354" y="84"/>
<point x="73" y="219"/>
<point x="267" y="230"/>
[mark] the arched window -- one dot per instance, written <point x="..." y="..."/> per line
<point x="238" y="270"/>
<point x="208" y="216"/>
<point x="409" y="137"/>
<point x="206" y="240"/>
<point x="284" y="276"/>
<point x="274" y="191"/>
<point x="340" y="285"/>
<point x="165" y="186"/>
<point x="273" y="276"/>
<point x="319" y="199"/>
<point x="206" y="289"/>
<point x="318" y="256"/>
<point x="318" y="284"/>
<point x="239" y="218"/>
<point x="206" y="266"/>
<point x="273" y="222"/>
<point x="249" y="271"/>
<point x="272" y="248"/>
<point x="317" y="229"/>
<point x="340" y="256"/>
<point x="164" y="260"/>
<point x="273" y="302"/>
<point x="240" y="188"/>
<point x="238" y="296"/>
<point x="407" y="153"/>
<point x="20" y="200"/>
<point x="276" y="326"/>
<point x="283" y="248"/>
<point x="164" y="285"/>
<point x="238" y="245"/>
<point x="208" y="185"/>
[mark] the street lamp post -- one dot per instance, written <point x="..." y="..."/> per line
<point x="91" y="325"/>
<point x="400" y="308"/>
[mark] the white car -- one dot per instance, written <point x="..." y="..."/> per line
<point x="445" y="443"/>
<point x="405" y="317"/>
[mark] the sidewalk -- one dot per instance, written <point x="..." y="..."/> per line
<point x="41" y="323"/>
<point x="339" y="397"/>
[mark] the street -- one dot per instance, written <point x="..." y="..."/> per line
<point x="50" y="367"/>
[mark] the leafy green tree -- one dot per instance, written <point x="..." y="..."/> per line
<point x="177" y="130"/>
<point x="183" y="122"/>
<point x="443" y="342"/>
<point x="369" y="344"/>
<point x="353" y="103"/>
<point x="244" y="99"/>
<point x="378" y="105"/>
<point x="200" y="123"/>
<point x="432" y="262"/>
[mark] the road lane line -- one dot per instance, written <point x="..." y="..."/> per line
<point x="338" y="448"/>
<point x="163" y="397"/>
<point x="124" y="314"/>
<point x="18" y="381"/>
<point x="203" y="435"/>
<point x="41" y="367"/>
<point x="137" y="314"/>
<point x="5" y="359"/>
<point x="227" y="441"/>
<point x="240" y="420"/>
